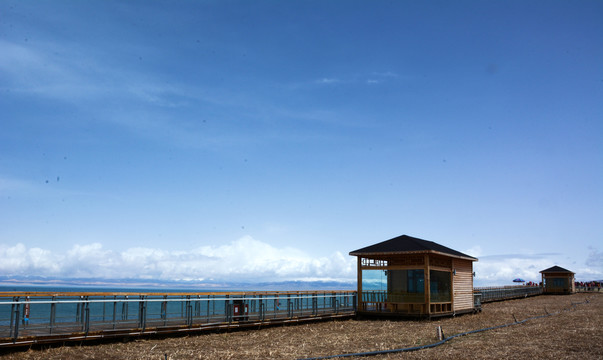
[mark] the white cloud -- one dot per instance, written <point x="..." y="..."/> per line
<point x="387" y="74"/>
<point x="43" y="72"/>
<point x="245" y="259"/>
<point x="496" y="270"/>
<point x="501" y="270"/>
<point x="595" y="257"/>
<point x="67" y="72"/>
<point x="250" y="260"/>
<point x="373" y="78"/>
<point x="11" y="185"/>
<point x="122" y="95"/>
<point x="328" y="81"/>
<point x="475" y="251"/>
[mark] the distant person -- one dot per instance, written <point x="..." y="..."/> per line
<point x="26" y="311"/>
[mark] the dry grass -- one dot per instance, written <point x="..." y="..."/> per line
<point x="572" y="334"/>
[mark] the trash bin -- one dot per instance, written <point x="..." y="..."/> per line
<point x="240" y="310"/>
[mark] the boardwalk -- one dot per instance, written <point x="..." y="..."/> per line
<point x="498" y="293"/>
<point x="34" y="318"/>
<point x="571" y="334"/>
<point x="45" y="317"/>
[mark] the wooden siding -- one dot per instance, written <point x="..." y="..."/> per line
<point x="462" y="285"/>
<point x="393" y="302"/>
<point x="436" y="261"/>
<point x="408" y="260"/>
<point x="567" y="288"/>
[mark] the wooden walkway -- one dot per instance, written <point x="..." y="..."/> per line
<point x="46" y="317"/>
<point x="37" y="318"/>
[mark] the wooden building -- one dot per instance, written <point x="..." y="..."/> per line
<point x="392" y="278"/>
<point x="557" y="280"/>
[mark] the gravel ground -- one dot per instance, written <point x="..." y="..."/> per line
<point x="573" y="333"/>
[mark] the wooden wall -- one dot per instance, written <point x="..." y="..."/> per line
<point x="568" y="287"/>
<point x="462" y="284"/>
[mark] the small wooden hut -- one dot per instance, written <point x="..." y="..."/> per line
<point x="407" y="276"/>
<point x="557" y="280"/>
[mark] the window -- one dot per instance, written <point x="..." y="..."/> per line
<point x="374" y="280"/>
<point x="416" y="281"/>
<point x="406" y="286"/>
<point x="439" y="286"/>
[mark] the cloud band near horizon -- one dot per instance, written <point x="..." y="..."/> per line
<point x="246" y="260"/>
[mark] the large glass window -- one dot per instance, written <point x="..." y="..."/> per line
<point x="374" y="285"/>
<point x="406" y="285"/>
<point x="374" y="280"/>
<point x="439" y="286"/>
<point x="558" y="283"/>
<point x="416" y="281"/>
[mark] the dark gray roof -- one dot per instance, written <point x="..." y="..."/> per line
<point x="408" y="244"/>
<point x="556" y="269"/>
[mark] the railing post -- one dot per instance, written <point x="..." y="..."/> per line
<point x="81" y="313"/>
<point x="87" y="317"/>
<point x="13" y="307"/>
<point x="208" y="307"/>
<point x="189" y="311"/>
<point x="142" y="313"/>
<point x="185" y="308"/>
<point x="53" y="313"/>
<point x="182" y="307"/>
<point x="124" y="309"/>
<point x="198" y="306"/>
<point x="262" y="310"/>
<point x="213" y="305"/>
<point x="78" y="312"/>
<point x="164" y="310"/>
<point x="227" y="309"/>
<point x="17" y="320"/>
<point x="114" y="311"/>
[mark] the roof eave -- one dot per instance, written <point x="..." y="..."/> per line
<point x="412" y="253"/>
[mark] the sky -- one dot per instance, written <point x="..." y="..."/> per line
<point x="260" y="141"/>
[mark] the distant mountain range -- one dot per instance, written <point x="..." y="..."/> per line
<point x="42" y="281"/>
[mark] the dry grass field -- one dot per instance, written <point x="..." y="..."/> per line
<point x="574" y="333"/>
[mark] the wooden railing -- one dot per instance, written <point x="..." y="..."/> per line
<point x="506" y="292"/>
<point x="38" y="317"/>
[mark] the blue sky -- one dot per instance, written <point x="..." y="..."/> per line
<point x="265" y="140"/>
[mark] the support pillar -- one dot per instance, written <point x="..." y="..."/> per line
<point x="427" y="286"/>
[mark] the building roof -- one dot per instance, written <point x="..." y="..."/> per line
<point x="556" y="269"/>
<point x="405" y="244"/>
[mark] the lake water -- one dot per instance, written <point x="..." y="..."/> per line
<point x="121" y="308"/>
